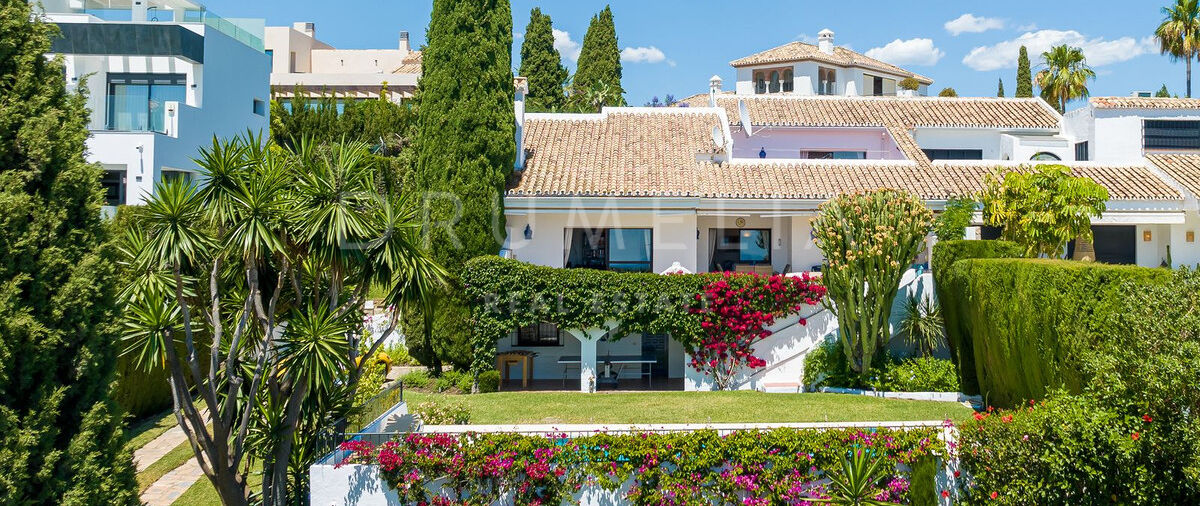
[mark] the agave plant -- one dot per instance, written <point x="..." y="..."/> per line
<point x="923" y="325"/>
<point x="857" y="483"/>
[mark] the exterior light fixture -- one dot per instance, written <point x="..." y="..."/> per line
<point x="1146" y="236"/>
<point x="762" y="152"/>
<point x="1191" y="236"/>
<point x="528" y="232"/>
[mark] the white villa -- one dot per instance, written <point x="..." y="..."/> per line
<point x="163" y="77"/>
<point x="299" y="59"/>
<point x="730" y="181"/>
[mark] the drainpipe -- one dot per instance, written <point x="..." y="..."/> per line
<point x="522" y="88"/>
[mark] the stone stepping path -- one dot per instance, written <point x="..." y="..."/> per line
<point x="167" y="489"/>
<point x="161" y="445"/>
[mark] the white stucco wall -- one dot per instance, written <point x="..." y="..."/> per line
<point x="673" y="233"/>
<point x="985" y="139"/>
<point x="1118" y="132"/>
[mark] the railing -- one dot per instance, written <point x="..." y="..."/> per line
<point x="347" y="429"/>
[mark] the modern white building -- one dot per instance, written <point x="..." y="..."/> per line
<point x="729" y="181"/>
<point x="162" y="77"/>
<point x="299" y="59"/>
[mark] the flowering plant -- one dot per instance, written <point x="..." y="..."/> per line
<point x="735" y="314"/>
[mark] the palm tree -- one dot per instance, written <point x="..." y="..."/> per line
<point x="1064" y="76"/>
<point x="1179" y="34"/>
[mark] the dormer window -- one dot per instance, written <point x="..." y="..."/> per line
<point x="826" y="81"/>
<point x="760" y="83"/>
<point x="789" y="81"/>
<point x="774" y="81"/>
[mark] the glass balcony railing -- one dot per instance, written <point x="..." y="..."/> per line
<point x="246" y="31"/>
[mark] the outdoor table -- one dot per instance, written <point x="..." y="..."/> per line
<point x="618" y="361"/>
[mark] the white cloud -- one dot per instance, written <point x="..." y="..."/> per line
<point x="806" y="38"/>
<point x="908" y="52"/>
<point x="1098" y="51"/>
<point x="1027" y="28"/>
<point x="566" y="47"/>
<point x="970" y="23"/>
<point x="642" y="55"/>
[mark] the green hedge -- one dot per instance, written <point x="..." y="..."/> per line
<point x="141" y="393"/>
<point x="945" y="253"/>
<point x="1027" y="323"/>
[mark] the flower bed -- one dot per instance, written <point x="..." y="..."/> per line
<point x="781" y="466"/>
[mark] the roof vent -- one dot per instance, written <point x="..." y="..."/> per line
<point x="825" y="41"/>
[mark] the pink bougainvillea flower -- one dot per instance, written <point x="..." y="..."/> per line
<point x="994" y="494"/>
<point x="1136" y="436"/>
<point x="1147" y="419"/>
<point x="945" y="493"/>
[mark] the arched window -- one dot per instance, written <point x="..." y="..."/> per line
<point x="760" y="83"/>
<point x="774" y="81"/>
<point x="1045" y="156"/>
<point x="789" y="81"/>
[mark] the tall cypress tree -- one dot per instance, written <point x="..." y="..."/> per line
<point x="599" y="67"/>
<point x="1000" y="89"/>
<point x="1024" y="78"/>
<point x="465" y="149"/>
<point x="542" y="64"/>
<point x="60" y="433"/>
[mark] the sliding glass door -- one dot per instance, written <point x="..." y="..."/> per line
<point x="137" y="102"/>
<point x="747" y="250"/>
<point x="613" y="249"/>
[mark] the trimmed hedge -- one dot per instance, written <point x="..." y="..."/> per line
<point x="945" y="253"/>
<point x="1026" y="324"/>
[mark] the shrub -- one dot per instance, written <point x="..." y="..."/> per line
<point x="1027" y="324"/>
<point x="922" y="324"/>
<point x="827" y="360"/>
<point x="951" y="223"/>
<point x="910" y="84"/>
<point x="489" y="382"/>
<point x="945" y="254"/>
<point x="1042" y="208"/>
<point x="439" y="412"/>
<point x="451" y="380"/>
<point x="925" y="374"/>
<point x="417" y="380"/>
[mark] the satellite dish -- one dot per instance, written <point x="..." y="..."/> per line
<point x="744" y="115"/>
<point x="717" y="138"/>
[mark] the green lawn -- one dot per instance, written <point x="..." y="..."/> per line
<point x="690" y="407"/>
<point x="145" y="430"/>
<point x="175" y="458"/>
<point x="202" y="492"/>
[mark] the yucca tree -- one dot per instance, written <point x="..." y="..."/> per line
<point x="1179" y="34"/>
<point x="1064" y="76"/>
<point x="250" y="290"/>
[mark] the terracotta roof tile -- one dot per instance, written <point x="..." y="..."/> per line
<point x="1144" y="103"/>
<point x="1183" y="168"/>
<point x="800" y="51"/>
<point x="411" y="64"/>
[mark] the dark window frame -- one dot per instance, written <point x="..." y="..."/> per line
<point x="1170" y="134"/>
<point x="543" y="334"/>
<point x="954" y="154"/>
<point x="607" y="255"/>
<point x="1081" y="151"/>
<point x="720" y="246"/>
<point x="113" y="180"/>
<point x="132" y="79"/>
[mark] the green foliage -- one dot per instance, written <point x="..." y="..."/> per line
<point x="951" y="224"/>
<point x="1162" y="92"/>
<point x="1064" y="76"/>
<point x="910" y="84"/>
<point x="599" y="65"/>
<point x="542" y="64"/>
<point x="507" y="294"/>
<point x="465" y="153"/>
<point x="922" y="324"/>
<point x="780" y="466"/>
<point x="945" y="254"/>
<point x="1024" y="77"/>
<point x="948" y="92"/>
<point x="1000" y="88"/>
<point x="418" y="379"/>
<point x="61" y="440"/>
<point x="869" y="241"/>
<point x="924" y="374"/>
<point x="826" y="365"/>
<point x="1027" y="324"/>
<point x="489" y="382"/>
<point x="441" y="412"/>
<point x="1179" y="34"/>
<point x="1042" y="208"/>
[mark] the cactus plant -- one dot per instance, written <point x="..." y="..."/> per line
<point x="869" y="241"/>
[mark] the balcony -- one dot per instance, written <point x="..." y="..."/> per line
<point x="130" y="39"/>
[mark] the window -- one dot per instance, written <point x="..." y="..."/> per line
<point x="774" y="81"/>
<point x="789" y="81"/>
<point x="836" y="155"/>
<point x="1170" y="134"/>
<point x="760" y="83"/>
<point x="1081" y="151"/>
<point x="732" y="248"/>
<point x="260" y="107"/>
<point x="954" y="154"/>
<point x="270" y="60"/>
<point x="292" y="62"/>
<point x="137" y="102"/>
<point x="541" y="334"/>
<point x="169" y="175"/>
<point x="826" y="81"/>
<point x="1045" y="156"/>
<point x="612" y="249"/>
<point x="113" y="182"/>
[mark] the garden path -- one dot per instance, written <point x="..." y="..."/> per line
<point x="172" y="485"/>
<point x="163" y="444"/>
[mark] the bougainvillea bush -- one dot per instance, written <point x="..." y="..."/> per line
<point x="778" y="467"/>
<point x="735" y="314"/>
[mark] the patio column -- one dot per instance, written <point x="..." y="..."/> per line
<point x="588" y="341"/>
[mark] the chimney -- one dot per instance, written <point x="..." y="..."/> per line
<point x="714" y="88"/>
<point x="522" y="88"/>
<point x="825" y="41"/>
<point x="404" y="42"/>
<point x="307" y="28"/>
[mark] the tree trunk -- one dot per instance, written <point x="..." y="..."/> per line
<point x="1189" y="77"/>
<point x="230" y="487"/>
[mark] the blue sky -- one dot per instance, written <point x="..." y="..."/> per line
<point x="675" y="45"/>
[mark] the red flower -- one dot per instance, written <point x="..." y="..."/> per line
<point x="1006" y="418"/>
<point x="945" y="493"/>
<point x="1135" y="436"/>
<point x="994" y="495"/>
<point x="957" y="473"/>
<point x="1147" y="419"/>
